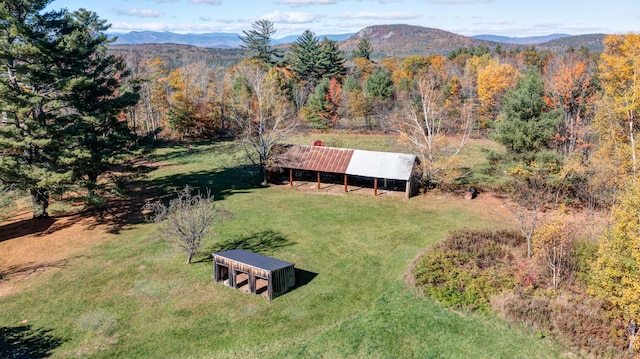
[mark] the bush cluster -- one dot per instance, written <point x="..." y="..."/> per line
<point x="468" y="268"/>
<point x="486" y="272"/>
<point x="572" y="316"/>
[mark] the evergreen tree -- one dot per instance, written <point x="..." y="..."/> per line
<point x="363" y="50"/>
<point x="29" y="152"/>
<point x="379" y="87"/>
<point x="61" y="96"/>
<point x="526" y="125"/>
<point x="331" y="61"/>
<point x="303" y="57"/>
<point x="258" y="41"/>
<point x="96" y="95"/>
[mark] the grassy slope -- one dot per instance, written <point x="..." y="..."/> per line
<point x="134" y="296"/>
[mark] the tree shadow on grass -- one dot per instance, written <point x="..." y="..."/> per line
<point x="222" y="183"/>
<point x="25" y="270"/>
<point x="25" y="342"/>
<point x="25" y="227"/>
<point x="258" y="242"/>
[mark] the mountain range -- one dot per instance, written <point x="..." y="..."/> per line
<point x="219" y="40"/>
<point x="387" y="40"/>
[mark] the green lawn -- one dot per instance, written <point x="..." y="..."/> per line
<point x="133" y="296"/>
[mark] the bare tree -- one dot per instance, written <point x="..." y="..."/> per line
<point x="187" y="218"/>
<point x="532" y="194"/>
<point x="425" y="126"/>
<point x="262" y="111"/>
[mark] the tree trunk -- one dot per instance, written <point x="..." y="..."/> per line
<point x="40" y="201"/>
<point x="633" y="330"/>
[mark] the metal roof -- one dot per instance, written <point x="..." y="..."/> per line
<point x="374" y="164"/>
<point x="317" y="158"/>
<point x="253" y="259"/>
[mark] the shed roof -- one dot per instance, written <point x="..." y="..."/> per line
<point x="253" y="259"/>
<point x="316" y="158"/>
<point x="381" y="164"/>
<point x="375" y="164"/>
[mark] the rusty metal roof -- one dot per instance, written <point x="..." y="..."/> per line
<point x="374" y="164"/>
<point x="317" y="158"/>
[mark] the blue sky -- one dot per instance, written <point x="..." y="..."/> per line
<point x="517" y="18"/>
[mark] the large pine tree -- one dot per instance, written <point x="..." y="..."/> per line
<point x="303" y="57"/>
<point x="60" y="97"/>
<point x="258" y="42"/>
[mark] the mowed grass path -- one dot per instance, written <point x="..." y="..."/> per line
<point x="134" y="297"/>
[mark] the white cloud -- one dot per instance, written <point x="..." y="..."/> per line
<point x="380" y="16"/>
<point x="180" y="28"/>
<point x="290" y="17"/>
<point x="208" y="2"/>
<point x="297" y="3"/>
<point x="138" y="12"/>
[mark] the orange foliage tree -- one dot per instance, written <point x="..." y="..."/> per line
<point x="571" y="87"/>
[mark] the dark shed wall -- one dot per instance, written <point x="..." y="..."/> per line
<point x="279" y="280"/>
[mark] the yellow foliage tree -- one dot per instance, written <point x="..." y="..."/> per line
<point x="615" y="276"/>
<point x="616" y="120"/>
<point x="554" y="246"/>
<point x="493" y="82"/>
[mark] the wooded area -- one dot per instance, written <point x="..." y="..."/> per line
<point x="72" y="110"/>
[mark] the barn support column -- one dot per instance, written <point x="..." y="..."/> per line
<point x="375" y="186"/>
<point x="251" y="281"/>
<point x="408" y="190"/>
<point x="345" y="184"/>
<point x="318" y="179"/>
<point x="290" y="177"/>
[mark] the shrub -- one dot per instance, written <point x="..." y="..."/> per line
<point x="467" y="268"/>
<point x="573" y="317"/>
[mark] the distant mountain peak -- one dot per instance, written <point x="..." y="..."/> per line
<point x="530" y="40"/>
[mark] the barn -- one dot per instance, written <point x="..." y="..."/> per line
<point x="388" y="170"/>
<point x="253" y="273"/>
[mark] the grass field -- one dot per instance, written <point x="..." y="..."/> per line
<point x="134" y="297"/>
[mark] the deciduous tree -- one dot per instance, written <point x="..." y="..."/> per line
<point x="493" y="82"/>
<point x="187" y="218"/>
<point x="423" y="123"/>
<point x="571" y="87"/>
<point x="260" y="108"/>
<point x="616" y="121"/>
<point x="554" y="244"/>
<point x="615" y="276"/>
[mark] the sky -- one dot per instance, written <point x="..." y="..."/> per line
<point x="513" y="18"/>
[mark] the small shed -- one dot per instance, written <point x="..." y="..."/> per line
<point x="253" y="273"/>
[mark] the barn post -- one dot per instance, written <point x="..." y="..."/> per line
<point x="251" y="280"/>
<point x="290" y="177"/>
<point x="318" y="179"/>
<point x="270" y="285"/>
<point x="345" y="183"/>
<point x="408" y="190"/>
<point x="375" y="186"/>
